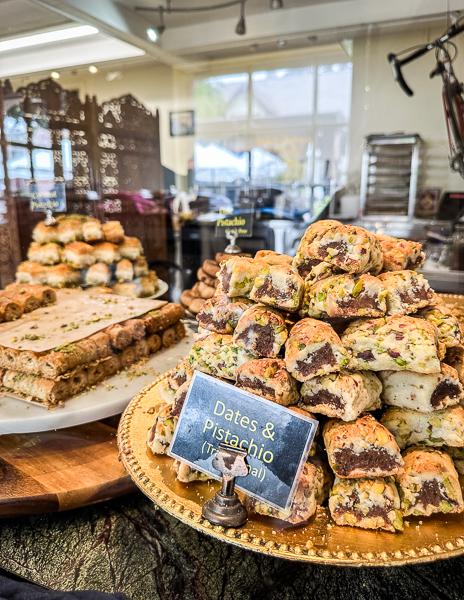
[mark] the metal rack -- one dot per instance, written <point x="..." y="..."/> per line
<point x="389" y="176"/>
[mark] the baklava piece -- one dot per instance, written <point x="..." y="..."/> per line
<point x="98" y="274"/>
<point x="218" y="355"/>
<point x="106" y="252"/>
<point x="45" y="234"/>
<point x="79" y="255"/>
<point x="422" y="392"/>
<point x="366" y="503"/>
<point x="92" y="230"/>
<point x="361" y="448"/>
<point x="279" y="286"/>
<point x="400" y="254"/>
<point x="344" y="296"/>
<point x="31" y="273"/>
<point x="261" y="330"/>
<point x="161" y="433"/>
<point x="44" y="254"/>
<point x="267" y="377"/>
<point x="312" y="349"/>
<point x="113" y="232"/>
<point x="429" y="483"/>
<point x="124" y="270"/>
<point x="221" y="314"/>
<point x="394" y="343"/>
<point x="69" y="229"/>
<point x="131" y="248"/>
<point x="237" y="275"/>
<point x="309" y="493"/>
<point x="62" y="275"/>
<point x="342" y="395"/>
<point x="438" y="428"/>
<point x="406" y="291"/>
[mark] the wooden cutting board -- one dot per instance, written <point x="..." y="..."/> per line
<point x="60" y="470"/>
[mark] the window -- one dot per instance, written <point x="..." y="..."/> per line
<point x="282" y="126"/>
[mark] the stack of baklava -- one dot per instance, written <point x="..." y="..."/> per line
<point x="349" y="332"/>
<point x="51" y="377"/>
<point x="80" y="250"/>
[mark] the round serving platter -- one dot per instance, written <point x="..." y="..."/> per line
<point x="320" y="541"/>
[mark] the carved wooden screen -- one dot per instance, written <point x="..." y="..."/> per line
<point x="129" y="147"/>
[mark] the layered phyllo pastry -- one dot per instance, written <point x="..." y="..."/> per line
<point x="69" y="229"/>
<point x="343" y="395"/>
<point x="344" y="296"/>
<point x="113" y="232"/>
<point x="439" y="428"/>
<point x="92" y="230"/>
<point x="361" y="448"/>
<point x="124" y="270"/>
<point x="261" y="330"/>
<point x="45" y="234"/>
<point x="420" y="391"/>
<point x="268" y="377"/>
<point x="106" y="252"/>
<point x="131" y="248"/>
<point x="406" y="291"/>
<point x="98" y="274"/>
<point x="312" y="349"/>
<point x="366" y="503"/>
<point x="44" y="254"/>
<point x="31" y="273"/>
<point x="79" y="255"/>
<point x="392" y="343"/>
<point x="429" y="483"/>
<point x="62" y="275"/>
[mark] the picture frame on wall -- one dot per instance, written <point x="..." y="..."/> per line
<point x="181" y="123"/>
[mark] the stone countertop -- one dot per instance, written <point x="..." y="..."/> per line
<point x="131" y="546"/>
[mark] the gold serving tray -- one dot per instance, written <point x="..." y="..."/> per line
<point x="320" y="541"/>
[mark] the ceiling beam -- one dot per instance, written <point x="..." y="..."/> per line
<point x="115" y="20"/>
<point x="311" y="19"/>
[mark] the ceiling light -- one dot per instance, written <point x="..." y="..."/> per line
<point x="240" y="29"/>
<point x="47" y="37"/>
<point x="281" y="43"/>
<point x="152" y="34"/>
<point x="276" y="4"/>
<point x="93" y="69"/>
<point x="54" y="75"/>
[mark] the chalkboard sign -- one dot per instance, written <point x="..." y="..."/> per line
<point x="47" y="196"/>
<point x="236" y="224"/>
<point x="277" y="439"/>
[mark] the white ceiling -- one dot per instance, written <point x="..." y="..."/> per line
<point x="20" y="16"/>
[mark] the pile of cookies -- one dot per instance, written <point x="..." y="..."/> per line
<point x="204" y="289"/>
<point x="348" y="332"/>
<point x="79" y="250"/>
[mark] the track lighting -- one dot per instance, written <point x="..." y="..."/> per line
<point x="240" y="29"/>
<point x="276" y="4"/>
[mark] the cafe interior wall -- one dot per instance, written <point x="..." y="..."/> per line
<point x="378" y="104"/>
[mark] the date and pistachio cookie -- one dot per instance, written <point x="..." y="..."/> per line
<point x="392" y="343"/>
<point x="237" y="275"/>
<point x="162" y="431"/>
<point x="310" y="492"/>
<point x="429" y="483"/>
<point x="366" y="503"/>
<point x="268" y="377"/>
<point x="420" y="391"/>
<point x="455" y="358"/>
<point x="344" y="296"/>
<point x="221" y="314"/>
<point x="406" y="291"/>
<point x="400" y="254"/>
<point x="450" y="334"/>
<point x="320" y="270"/>
<point x="186" y="474"/>
<point x="218" y="355"/>
<point x="261" y="330"/>
<point x="439" y="428"/>
<point x="342" y="395"/>
<point x="347" y="247"/>
<point x="279" y="286"/>
<point x="312" y="349"/>
<point x="273" y="258"/>
<point x="361" y="448"/>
